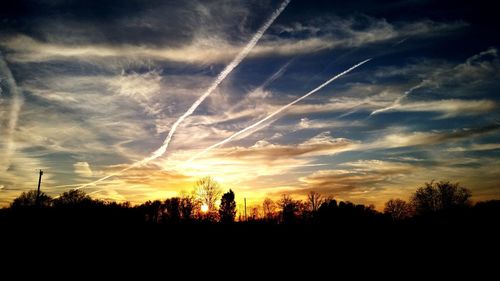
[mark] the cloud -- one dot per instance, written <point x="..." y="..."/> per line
<point x="148" y="175"/>
<point x="317" y="124"/>
<point x="82" y="169"/>
<point x="143" y="88"/>
<point x="476" y="147"/>
<point x="259" y="167"/>
<point x="447" y="108"/>
<point x="22" y="175"/>
<point x="204" y="49"/>
<point x="330" y="33"/>
<point x="445" y="79"/>
<point x="28" y="49"/>
<point x="431" y="138"/>
<point x="322" y="144"/>
<point x="261" y="123"/>
<point x="9" y="85"/>
<point x="376" y="181"/>
<point x="362" y="175"/>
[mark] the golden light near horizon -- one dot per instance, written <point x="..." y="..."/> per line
<point x="204" y="208"/>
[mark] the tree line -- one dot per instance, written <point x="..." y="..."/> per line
<point x="207" y="203"/>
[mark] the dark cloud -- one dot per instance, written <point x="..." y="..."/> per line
<point x="153" y="23"/>
<point x="465" y="133"/>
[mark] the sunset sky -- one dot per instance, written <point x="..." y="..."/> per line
<point x="89" y="88"/>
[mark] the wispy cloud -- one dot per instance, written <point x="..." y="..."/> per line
<point x="431" y="138"/>
<point x="143" y="88"/>
<point x="204" y="49"/>
<point x="447" y="108"/>
<point x="376" y="181"/>
<point x="82" y="169"/>
<point x="15" y="101"/>
<point x="322" y="144"/>
<point x="361" y="176"/>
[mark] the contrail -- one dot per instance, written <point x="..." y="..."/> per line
<point x="397" y="102"/>
<point x="275" y="75"/>
<point x="261" y="87"/>
<point x="236" y="61"/>
<point x="275" y="112"/>
<point x="227" y="70"/>
<point x="16" y="102"/>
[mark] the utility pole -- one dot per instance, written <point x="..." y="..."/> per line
<point x="38" y="190"/>
<point x="245" y="209"/>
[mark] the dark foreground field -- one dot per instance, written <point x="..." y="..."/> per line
<point x="93" y="238"/>
<point x="34" y="231"/>
<point x="415" y="249"/>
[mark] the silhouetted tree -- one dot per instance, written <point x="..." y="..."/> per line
<point x="452" y="195"/>
<point x="227" y="209"/>
<point x="328" y="203"/>
<point x="314" y="200"/>
<point x="289" y="208"/>
<point x="304" y="210"/>
<point x="173" y="209"/>
<point x="29" y="199"/>
<point x="436" y="196"/>
<point x="254" y="213"/>
<point x="187" y="206"/>
<point x="208" y="192"/>
<point x="74" y="197"/>
<point x="269" y="208"/>
<point x="398" y="209"/>
<point x="152" y="210"/>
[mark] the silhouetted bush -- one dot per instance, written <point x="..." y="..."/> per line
<point x="73" y="198"/>
<point x="31" y="199"/>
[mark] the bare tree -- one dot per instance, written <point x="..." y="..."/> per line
<point x="436" y="196"/>
<point x="398" y="209"/>
<point x="269" y="208"/>
<point x="289" y="208"/>
<point x="208" y="192"/>
<point x="254" y="212"/>
<point x="314" y="200"/>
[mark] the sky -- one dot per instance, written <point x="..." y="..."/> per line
<point x="89" y="91"/>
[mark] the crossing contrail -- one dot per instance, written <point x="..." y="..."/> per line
<point x="397" y="101"/>
<point x="227" y="70"/>
<point x="275" y="76"/>
<point x="250" y="95"/>
<point x="275" y="112"/>
<point x="16" y="102"/>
